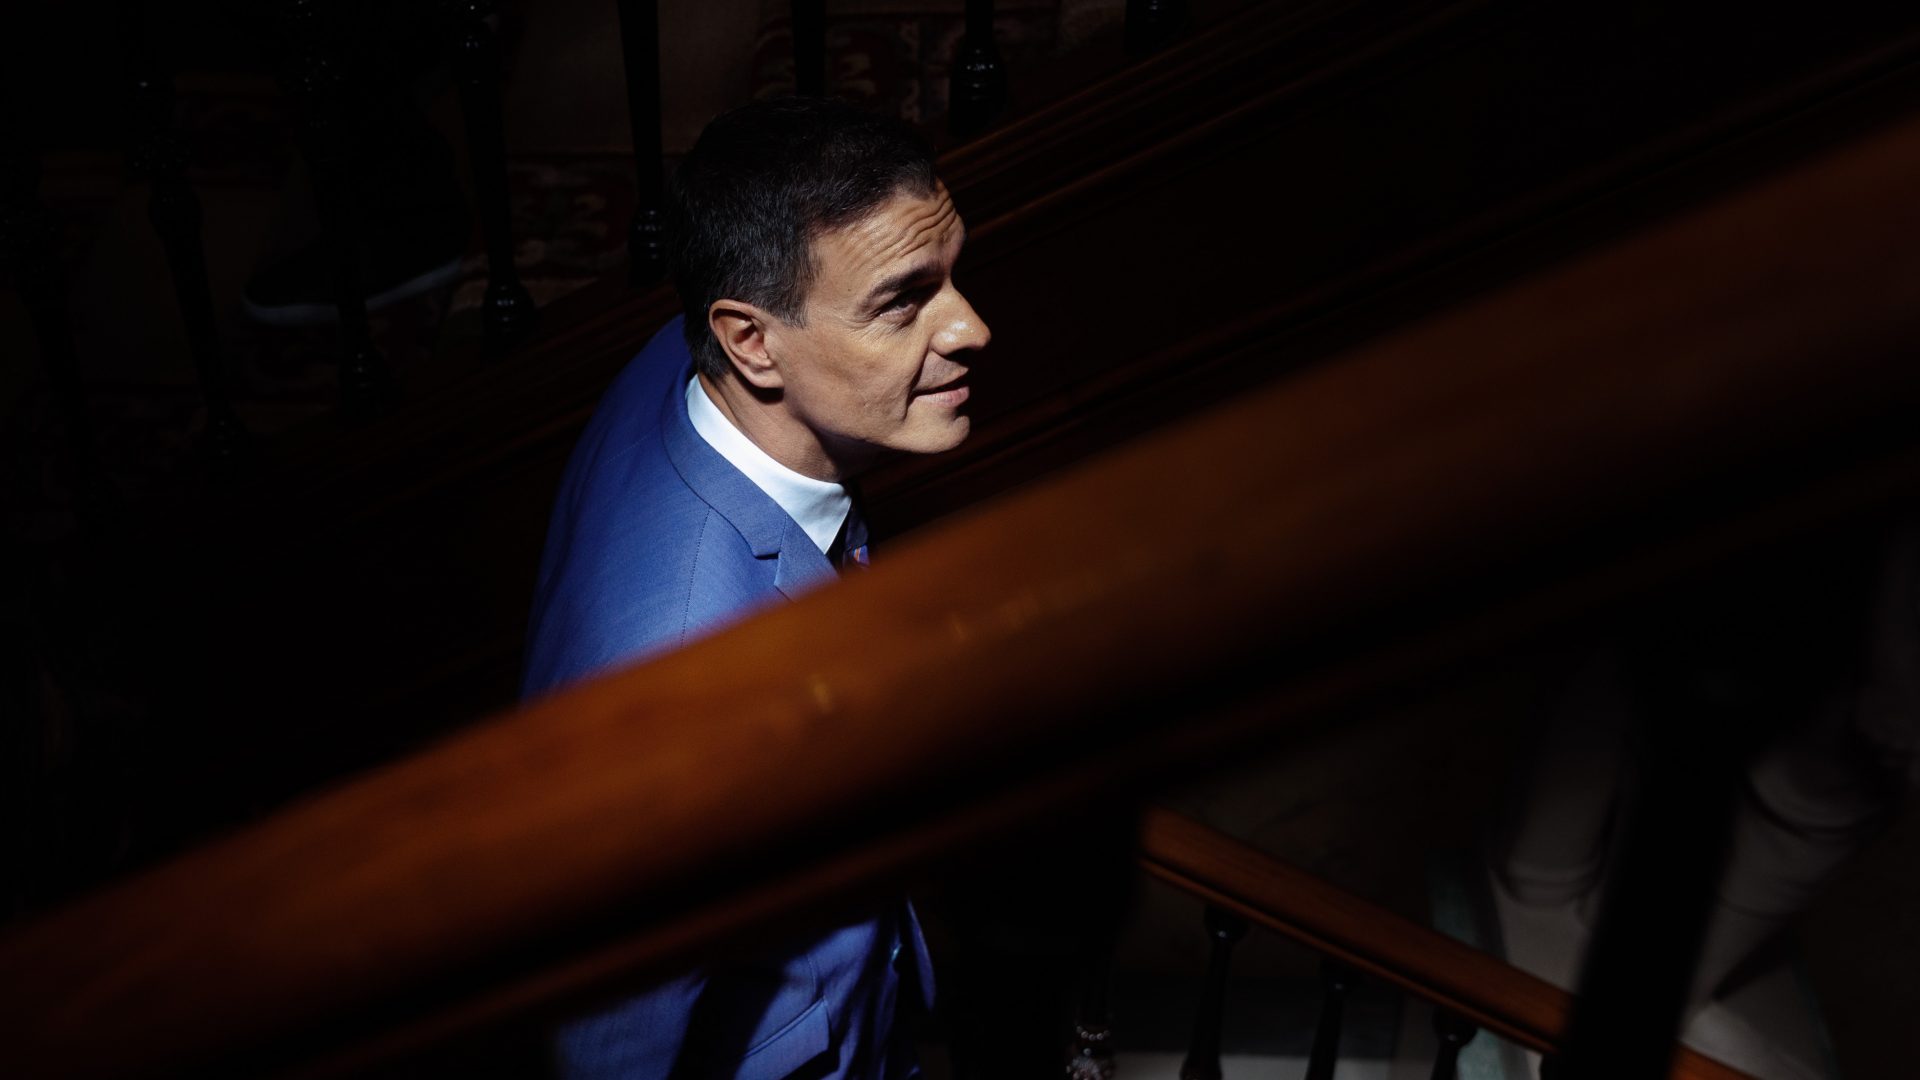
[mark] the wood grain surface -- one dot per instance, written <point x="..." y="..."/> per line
<point x="1424" y="962"/>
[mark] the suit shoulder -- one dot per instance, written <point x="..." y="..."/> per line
<point x="633" y="585"/>
<point x="633" y="403"/>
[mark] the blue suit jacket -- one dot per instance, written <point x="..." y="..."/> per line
<point x="655" y="540"/>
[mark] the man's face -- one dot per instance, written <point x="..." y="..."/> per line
<point x="880" y="359"/>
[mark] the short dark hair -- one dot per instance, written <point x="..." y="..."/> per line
<point x="760" y="183"/>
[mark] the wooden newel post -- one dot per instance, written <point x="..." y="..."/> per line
<point x="810" y="48"/>
<point x="508" y="311"/>
<point x="1152" y="25"/>
<point x="977" y="89"/>
<point x="315" y="79"/>
<point x="1203" y="1050"/>
<point x="640" y="51"/>
<point x="158" y="157"/>
<point x="1454" y="1032"/>
<point x="1335" y="982"/>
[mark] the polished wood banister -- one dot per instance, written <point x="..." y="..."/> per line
<point x="1225" y="872"/>
<point x="1022" y="641"/>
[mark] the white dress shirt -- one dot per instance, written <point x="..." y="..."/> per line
<point x="820" y="506"/>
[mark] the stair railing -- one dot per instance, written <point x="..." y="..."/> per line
<point x="1596" y="427"/>
<point x="1468" y="988"/>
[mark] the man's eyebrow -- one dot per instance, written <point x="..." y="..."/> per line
<point x="917" y="274"/>
<point x="914" y="275"/>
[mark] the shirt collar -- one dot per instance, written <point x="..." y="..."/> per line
<point x="818" y="506"/>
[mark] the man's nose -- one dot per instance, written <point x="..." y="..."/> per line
<point x="965" y="328"/>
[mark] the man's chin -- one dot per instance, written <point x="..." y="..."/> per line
<point x="923" y="439"/>
<point x="956" y="432"/>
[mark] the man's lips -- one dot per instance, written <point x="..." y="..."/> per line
<point x="953" y="392"/>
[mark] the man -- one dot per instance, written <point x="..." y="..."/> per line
<point x="813" y="252"/>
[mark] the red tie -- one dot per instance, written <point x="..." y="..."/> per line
<point x="849" y="548"/>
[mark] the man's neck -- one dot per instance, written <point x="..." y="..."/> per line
<point x="769" y="426"/>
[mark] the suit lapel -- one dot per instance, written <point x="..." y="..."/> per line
<point x="768" y="530"/>
<point x="802" y="566"/>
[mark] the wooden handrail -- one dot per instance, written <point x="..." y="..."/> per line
<point x="1426" y="963"/>
<point x="1070" y="634"/>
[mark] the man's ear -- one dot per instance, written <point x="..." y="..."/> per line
<point x="741" y="330"/>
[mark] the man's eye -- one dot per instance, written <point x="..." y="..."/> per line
<point x="906" y="301"/>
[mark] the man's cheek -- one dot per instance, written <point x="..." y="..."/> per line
<point x="876" y="398"/>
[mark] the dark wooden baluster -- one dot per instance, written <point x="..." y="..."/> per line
<point x="27" y="244"/>
<point x="315" y="78"/>
<point x="810" y="47"/>
<point x="508" y="311"/>
<point x="1092" y="1052"/>
<point x="1335" y="981"/>
<point x="1653" y="918"/>
<point x="1735" y="662"/>
<point x="1659" y="893"/>
<point x="1203" y="1050"/>
<point x="159" y="157"/>
<point x="1454" y="1032"/>
<point x="640" y="50"/>
<point x="1152" y="25"/>
<point x="977" y="90"/>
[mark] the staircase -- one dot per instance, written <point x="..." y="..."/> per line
<point x="1391" y="264"/>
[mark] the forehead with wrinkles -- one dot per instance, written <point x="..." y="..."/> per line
<point x="886" y="235"/>
<point x="892" y="233"/>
